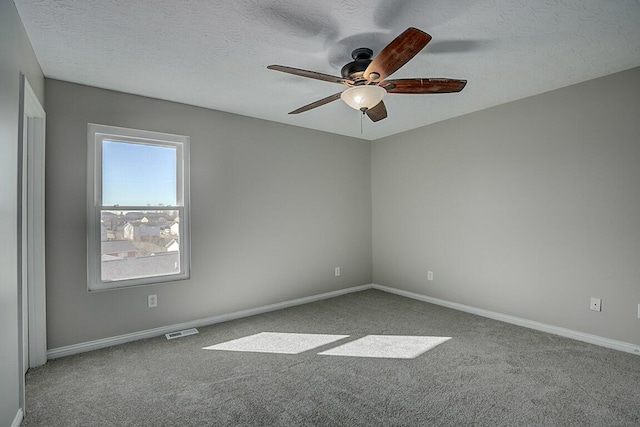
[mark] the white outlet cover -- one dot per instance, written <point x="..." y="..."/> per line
<point x="595" y="304"/>
<point x="152" y="301"/>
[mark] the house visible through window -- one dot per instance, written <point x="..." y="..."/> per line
<point x="138" y="207"/>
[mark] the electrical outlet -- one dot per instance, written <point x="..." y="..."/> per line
<point x="152" y="301"/>
<point x="595" y="304"/>
<point x="429" y="275"/>
<point x="337" y="271"/>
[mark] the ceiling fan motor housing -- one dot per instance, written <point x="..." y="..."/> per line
<point x="361" y="60"/>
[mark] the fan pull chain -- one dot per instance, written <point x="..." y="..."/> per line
<point x="361" y="118"/>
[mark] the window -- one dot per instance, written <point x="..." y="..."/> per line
<point x="137" y="207"/>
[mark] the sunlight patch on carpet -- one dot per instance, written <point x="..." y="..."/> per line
<point x="387" y="346"/>
<point x="277" y="342"/>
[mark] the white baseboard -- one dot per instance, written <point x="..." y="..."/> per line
<point x="150" y="333"/>
<point x="531" y="324"/>
<point x="18" y="419"/>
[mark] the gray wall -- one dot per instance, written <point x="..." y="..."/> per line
<point x="527" y="209"/>
<point x="274" y="209"/>
<point x="16" y="56"/>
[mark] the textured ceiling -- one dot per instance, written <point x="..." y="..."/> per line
<point x="214" y="53"/>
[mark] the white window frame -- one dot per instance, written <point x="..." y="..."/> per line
<point x="96" y="134"/>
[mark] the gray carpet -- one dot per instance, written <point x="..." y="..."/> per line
<point x="489" y="373"/>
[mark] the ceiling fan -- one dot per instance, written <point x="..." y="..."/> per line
<point x="365" y="77"/>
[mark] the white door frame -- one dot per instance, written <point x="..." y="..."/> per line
<point x="34" y="150"/>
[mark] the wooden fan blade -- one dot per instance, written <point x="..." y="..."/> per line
<point x="378" y="112"/>
<point x="396" y="54"/>
<point x="318" y="103"/>
<point x="310" y="74"/>
<point x="423" y="85"/>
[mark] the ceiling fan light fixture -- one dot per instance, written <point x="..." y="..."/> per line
<point x="363" y="97"/>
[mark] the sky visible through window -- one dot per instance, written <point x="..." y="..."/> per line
<point x="138" y="174"/>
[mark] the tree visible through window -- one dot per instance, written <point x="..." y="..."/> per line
<point x="138" y="212"/>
